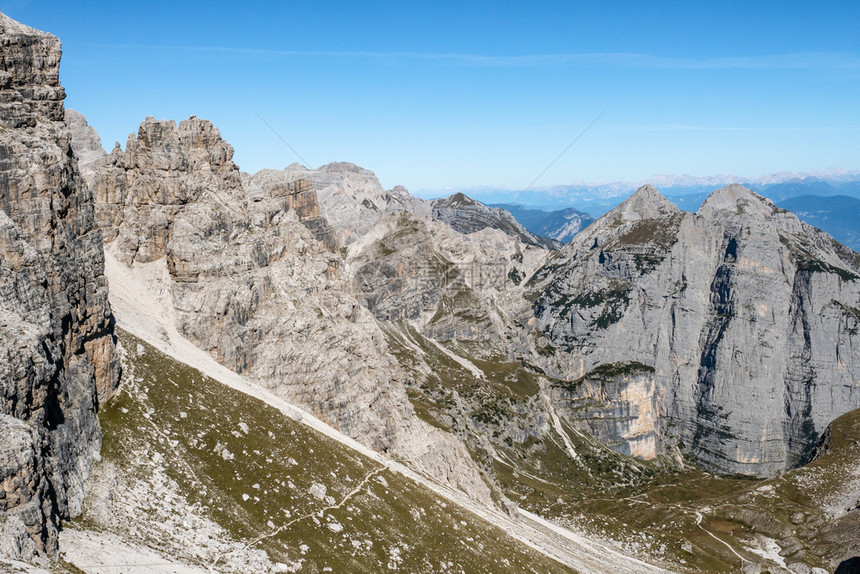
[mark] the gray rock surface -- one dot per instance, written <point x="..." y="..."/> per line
<point x="352" y="199"/>
<point x="731" y="333"/>
<point x="86" y="143"/>
<point x="467" y="216"/>
<point x="450" y="285"/>
<point x="57" y="357"/>
<point x="252" y="274"/>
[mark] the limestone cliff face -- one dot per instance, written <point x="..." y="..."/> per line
<point x="352" y="199"/>
<point x="86" y="143"/>
<point x="57" y="358"/>
<point x="164" y="167"/>
<point x="299" y="196"/>
<point x="251" y="273"/>
<point x="731" y="333"/>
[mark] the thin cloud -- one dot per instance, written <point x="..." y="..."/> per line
<point x="801" y="60"/>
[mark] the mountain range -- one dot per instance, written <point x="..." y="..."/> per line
<point x="820" y="202"/>
<point x="297" y="370"/>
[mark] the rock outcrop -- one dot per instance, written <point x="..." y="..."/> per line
<point x="731" y="333"/>
<point x="451" y="286"/>
<point x="57" y="359"/>
<point x="86" y="143"/>
<point x="351" y="197"/>
<point x="300" y="196"/>
<point x="165" y="168"/>
<point x="250" y="272"/>
<point x="468" y="216"/>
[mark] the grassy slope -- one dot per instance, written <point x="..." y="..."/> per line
<point x="252" y="469"/>
<point x="651" y="507"/>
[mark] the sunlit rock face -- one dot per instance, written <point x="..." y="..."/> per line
<point x="743" y="322"/>
<point x="250" y="270"/>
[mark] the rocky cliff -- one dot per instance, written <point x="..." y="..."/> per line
<point x="248" y="270"/>
<point x="57" y="360"/>
<point x="731" y="334"/>
<point x="351" y="198"/>
<point x="450" y="285"/>
<point x="86" y="143"/>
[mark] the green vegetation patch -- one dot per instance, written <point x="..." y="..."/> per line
<point x="260" y="475"/>
<point x="657" y="234"/>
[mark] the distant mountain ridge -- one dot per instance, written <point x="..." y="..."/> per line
<point x="837" y="215"/>
<point x="540" y="211"/>
<point x="561" y="224"/>
<point x="568" y="195"/>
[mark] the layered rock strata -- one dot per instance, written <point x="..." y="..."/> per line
<point x="251" y="273"/>
<point x="466" y="215"/>
<point x="57" y="360"/>
<point x="737" y="326"/>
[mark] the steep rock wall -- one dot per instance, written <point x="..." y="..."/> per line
<point x="746" y="316"/>
<point x="249" y="269"/>
<point x="57" y="359"/>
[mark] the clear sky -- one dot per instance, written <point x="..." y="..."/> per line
<point x="457" y="94"/>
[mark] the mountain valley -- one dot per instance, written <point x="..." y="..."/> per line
<point x="297" y="370"/>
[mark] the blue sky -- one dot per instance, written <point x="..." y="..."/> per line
<point x="448" y="95"/>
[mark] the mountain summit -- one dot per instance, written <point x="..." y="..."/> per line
<point x="738" y="322"/>
<point x="645" y="203"/>
<point x="736" y="200"/>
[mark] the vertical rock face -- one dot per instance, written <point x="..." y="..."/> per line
<point x="249" y="271"/>
<point x="86" y="143"/>
<point x="299" y="195"/>
<point x="139" y="191"/>
<point x="57" y="359"/>
<point x="352" y="199"/>
<point x="451" y="286"/>
<point x="741" y="323"/>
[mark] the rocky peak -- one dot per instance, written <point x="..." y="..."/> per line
<point x="342" y="167"/>
<point x="194" y="145"/>
<point x="86" y="142"/>
<point x="29" y="75"/>
<point x="290" y="191"/>
<point x="758" y="304"/>
<point x="645" y="203"/>
<point x="734" y="200"/>
<point x="164" y="167"/>
<point x="456" y="200"/>
<point x="351" y="197"/>
<point x="400" y="193"/>
<point x="466" y="215"/>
